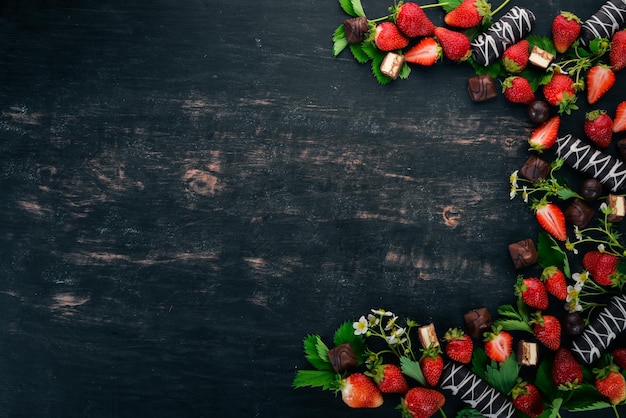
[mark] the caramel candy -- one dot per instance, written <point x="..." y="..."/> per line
<point x="591" y="190"/>
<point x="523" y="253"/>
<point x="481" y="88"/>
<point x="478" y="321"/>
<point x="342" y="358"/>
<point x="540" y="57"/>
<point x="392" y="64"/>
<point x="527" y="353"/>
<point x="618" y="207"/>
<point x="428" y="336"/>
<point x="355" y="29"/>
<point x="579" y="213"/>
<point x="535" y="169"/>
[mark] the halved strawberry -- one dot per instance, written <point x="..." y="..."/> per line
<point x="498" y="344"/>
<point x="359" y="391"/>
<point x="544" y="136"/>
<point x="551" y="218"/>
<point x="619" y="121"/>
<point x="600" y="79"/>
<point x="426" y="52"/>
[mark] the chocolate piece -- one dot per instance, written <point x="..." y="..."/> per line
<point x="621" y="148"/>
<point x="342" y="358"/>
<point x="538" y="111"/>
<point x="540" y="58"/>
<point x="573" y="324"/>
<point x="481" y="88"/>
<point x="478" y="322"/>
<point x="392" y="64"/>
<point x="607" y="169"/>
<point x="523" y="253"/>
<point x="602" y="331"/>
<point x="618" y="208"/>
<point x="579" y="213"/>
<point x="355" y="29"/>
<point x="428" y="336"/>
<point x="605" y="22"/>
<point x="591" y="190"/>
<point x="535" y="169"/>
<point x="475" y="392"/>
<point x="527" y="353"/>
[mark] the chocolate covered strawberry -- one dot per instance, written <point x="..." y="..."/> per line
<point x="421" y="403"/>
<point x="515" y="57"/>
<point x="561" y="92"/>
<point x="619" y="121"/>
<point x="527" y="398"/>
<point x="359" y="391"/>
<point x="431" y="364"/>
<point x="565" y="30"/>
<point x="412" y="21"/>
<point x="517" y="89"/>
<point x="459" y="345"/>
<point x="610" y="383"/>
<point x="602" y="266"/>
<point x="566" y="372"/>
<point x="426" y="52"/>
<point x="468" y="14"/>
<point x="550" y="218"/>
<point x="600" y="78"/>
<point x="547" y="329"/>
<point x="555" y="282"/>
<point x="544" y="136"/>
<point x="388" y="378"/>
<point x="498" y="344"/>
<point x="533" y="292"/>
<point x="598" y="127"/>
<point x="617" y="54"/>
<point x="387" y="37"/>
<point x="455" y="45"/>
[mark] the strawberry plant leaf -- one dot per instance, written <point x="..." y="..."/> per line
<point x="544" y="382"/>
<point x="509" y="312"/>
<point x="339" y="40"/>
<point x="380" y="77"/>
<point x="412" y="369"/>
<point x="345" y="334"/>
<point x="313" y="345"/>
<point x="347" y="7"/>
<point x="327" y="380"/>
<point x="469" y="413"/>
<point x="449" y="5"/>
<point x="358" y="8"/>
<point x="542" y="42"/>
<point x="359" y="54"/>
<point x="502" y="376"/>
<point x="513" y="325"/>
<point x="479" y="362"/>
<point x="370" y="49"/>
<point x="585" y="398"/>
<point x="553" y="410"/>
<point x="551" y="254"/>
<point x="405" y="71"/>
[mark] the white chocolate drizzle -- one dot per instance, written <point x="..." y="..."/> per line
<point x="605" y="22"/>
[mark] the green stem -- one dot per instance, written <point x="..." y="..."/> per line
<point x="500" y="7"/>
<point x="615" y="410"/>
<point x="430" y="6"/>
<point x="443" y="414"/>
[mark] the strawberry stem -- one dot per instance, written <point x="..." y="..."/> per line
<point x="430" y="6"/>
<point x="500" y="7"/>
<point x="615" y="410"/>
<point x="443" y="414"/>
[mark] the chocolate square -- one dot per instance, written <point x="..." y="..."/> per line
<point x="540" y="58"/>
<point x="535" y="169"/>
<point x="523" y="253"/>
<point x="527" y="353"/>
<point x="579" y="213"/>
<point x="392" y="64"/>
<point x="481" y="88"/>
<point x="618" y="208"/>
<point x="478" y="321"/>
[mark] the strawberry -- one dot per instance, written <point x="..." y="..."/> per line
<point x="551" y="218"/>
<point x="547" y="330"/>
<point x="431" y="364"/>
<point x="617" y="54"/>
<point x="387" y="37"/>
<point x="555" y="282"/>
<point x="412" y="20"/>
<point x="517" y="90"/>
<point x="566" y="371"/>
<point x="619" y="121"/>
<point x="610" y="383"/>
<point x="601" y="266"/>
<point x="598" y="127"/>
<point x="533" y="292"/>
<point x="468" y="14"/>
<point x="619" y="357"/>
<point x="388" y="378"/>
<point x="421" y="403"/>
<point x="359" y="391"/>
<point x="600" y="78"/>
<point x="544" y="136"/>
<point x="426" y="52"/>
<point x="527" y="399"/>
<point x="515" y="57"/>
<point x="455" y="45"/>
<point x="565" y="30"/>
<point x="560" y="91"/>
<point x="498" y="344"/>
<point x="459" y="345"/>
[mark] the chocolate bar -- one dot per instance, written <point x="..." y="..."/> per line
<point x="605" y="168"/>
<point x="475" y="392"/>
<point x="605" y="22"/>
<point x="527" y="353"/>
<point x="602" y="331"/>
<point x="428" y="336"/>
<point x="617" y="204"/>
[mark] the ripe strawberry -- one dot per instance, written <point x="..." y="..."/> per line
<point x="599" y="128"/>
<point x="619" y="357"/>
<point x="551" y="218"/>
<point x="459" y="345"/>
<point x="527" y="398"/>
<point x="431" y="364"/>
<point x="498" y="344"/>
<point x="555" y="282"/>
<point x="468" y="14"/>
<point x="547" y="330"/>
<point x="560" y="91"/>
<point x="565" y="30"/>
<point x="544" y="136"/>
<point x="601" y="266"/>
<point x="359" y="391"/>
<point x="533" y="292"/>
<point x="515" y="57"/>
<point x="617" y="54"/>
<point x="387" y="37"/>
<point x="426" y="52"/>
<point x="600" y="78"/>
<point x="517" y="89"/>
<point x="566" y="371"/>
<point x="421" y="403"/>
<point x="619" y="122"/>
<point x="412" y="20"/>
<point x="611" y="383"/>
<point x="388" y="378"/>
<point x="455" y="45"/>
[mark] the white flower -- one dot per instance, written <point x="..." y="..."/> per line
<point x="513" y="179"/>
<point x="512" y="193"/>
<point x="372" y="320"/>
<point x="391" y="323"/>
<point x="381" y="312"/>
<point x="525" y="194"/>
<point x="579" y="237"/>
<point x="601" y="248"/>
<point x="392" y="339"/>
<point x="360" y="327"/>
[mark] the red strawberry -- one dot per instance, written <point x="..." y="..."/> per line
<point x="426" y="52"/>
<point x="565" y="30"/>
<point x="421" y="403"/>
<point x="533" y="292"/>
<point x="359" y="391"/>
<point x="389" y="378"/>
<point x="555" y="282"/>
<point x="600" y="79"/>
<point x="611" y="383"/>
<point x="601" y="266"/>
<point x="515" y="57"/>
<point x="617" y="54"/>
<point x="412" y="20"/>
<point x="566" y="371"/>
<point x="517" y="90"/>
<point x="455" y="45"/>
<point x="527" y="398"/>
<point x="560" y="91"/>
<point x="619" y="357"/>
<point x="459" y="345"/>
<point x="498" y="344"/>
<point x="544" y="136"/>
<point x="431" y="364"/>
<point x="468" y="14"/>
<point x="619" y="122"/>
<point x="547" y="330"/>
<point x="599" y="128"/>
<point x="388" y="38"/>
<point x="551" y="218"/>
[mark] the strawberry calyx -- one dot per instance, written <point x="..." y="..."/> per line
<point x="603" y="372"/>
<point x="595" y="114"/>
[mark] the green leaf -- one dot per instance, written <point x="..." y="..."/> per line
<point x="312" y="346"/>
<point x="550" y="253"/>
<point x="326" y="380"/>
<point x="544" y="382"/>
<point x="358" y="8"/>
<point x="345" y="334"/>
<point x="405" y="71"/>
<point x="513" y="325"/>
<point x="370" y="49"/>
<point x="592" y="406"/>
<point x="451" y="4"/>
<point x="359" y="54"/>
<point x="566" y="193"/>
<point x="542" y="42"/>
<point x="469" y="413"/>
<point x="585" y="398"/>
<point x="509" y="311"/>
<point x="380" y="77"/>
<point x="553" y="410"/>
<point x="339" y="40"/>
<point x="347" y="7"/>
<point x="502" y="376"/>
<point x="479" y="362"/>
<point x="412" y="369"/>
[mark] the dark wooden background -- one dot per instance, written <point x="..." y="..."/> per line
<point x="188" y="188"/>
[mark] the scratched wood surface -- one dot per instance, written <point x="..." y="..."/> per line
<point x="189" y="188"/>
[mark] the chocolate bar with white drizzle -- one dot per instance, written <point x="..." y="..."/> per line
<point x="605" y="168"/>
<point x="475" y="392"/>
<point x="511" y="28"/>
<point x="602" y="331"/>
<point x="605" y="22"/>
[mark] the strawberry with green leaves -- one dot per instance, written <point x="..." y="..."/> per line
<point x="600" y="79"/>
<point x="610" y="383"/>
<point x="459" y="345"/>
<point x="388" y="378"/>
<point x="388" y="37"/>
<point x="431" y="364"/>
<point x="515" y="57"/>
<point x="498" y="344"/>
<point x="468" y="14"/>
<point x="619" y="121"/>
<point x="560" y="91"/>
<point x="602" y="266"/>
<point x="565" y="30"/>
<point x="455" y="45"/>
<point x="527" y="398"/>
<point x="617" y="54"/>
<point x="421" y="402"/>
<point x="544" y="136"/>
<point x="359" y="391"/>
<point x="547" y="329"/>
<point x="550" y="218"/>
<point x="566" y="372"/>
<point x="533" y="292"/>
<point x="598" y="127"/>
<point x="517" y="89"/>
<point x="412" y="20"/>
<point x="555" y="282"/>
<point x="426" y="52"/>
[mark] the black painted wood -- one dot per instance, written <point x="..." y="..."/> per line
<point x="189" y="188"/>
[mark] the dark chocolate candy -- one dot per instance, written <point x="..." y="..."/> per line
<point x="523" y="253"/>
<point x="621" y="148"/>
<point x="591" y="190"/>
<point x="605" y="22"/>
<point x="355" y="29"/>
<point x="535" y="169"/>
<point x="342" y="358"/>
<point x="478" y="321"/>
<point x="481" y="88"/>
<point x="579" y="213"/>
